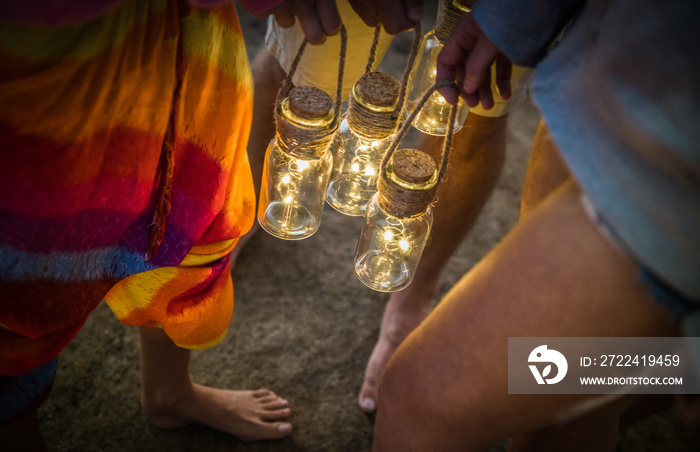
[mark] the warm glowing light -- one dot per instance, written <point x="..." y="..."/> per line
<point x="357" y="163"/>
<point x="286" y="179"/>
<point x="389" y="248"/>
<point x="288" y="199"/>
<point x="302" y="164"/>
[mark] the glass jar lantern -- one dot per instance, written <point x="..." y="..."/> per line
<point x="397" y="222"/>
<point x="298" y="165"/>
<point x="433" y="117"/>
<point x="364" y="135"/>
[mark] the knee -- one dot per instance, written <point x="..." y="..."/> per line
<point x="410" y="410"/>
<point x="398" y="421"/>
<point x="267" y="71"/>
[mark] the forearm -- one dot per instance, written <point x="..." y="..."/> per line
<point x="523" y="30"/>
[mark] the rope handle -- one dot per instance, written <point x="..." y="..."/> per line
<point x="373" y="49"/>
<point x="286" y="85"/>
<point x="408" y="71"/>
<point x="415" y="45"/>
<point x="404" y="128"/>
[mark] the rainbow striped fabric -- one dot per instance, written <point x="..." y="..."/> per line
<point x="85" y="112"/>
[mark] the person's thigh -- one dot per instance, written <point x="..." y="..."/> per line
<point x="554" y="275"/>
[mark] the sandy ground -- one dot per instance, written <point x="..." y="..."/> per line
<point x="303" y="326"/>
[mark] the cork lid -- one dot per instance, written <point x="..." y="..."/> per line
<point x="413" y="166"/>
<point x="309" y="102"/>
<point x="377" y="88"/>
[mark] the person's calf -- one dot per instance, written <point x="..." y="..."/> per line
<point x="404" y="311"/>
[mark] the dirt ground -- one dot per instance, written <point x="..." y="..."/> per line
<point x="303" y="326"/>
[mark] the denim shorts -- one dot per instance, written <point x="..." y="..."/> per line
<point x="675" y="303"/>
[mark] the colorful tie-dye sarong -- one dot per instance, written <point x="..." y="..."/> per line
<point x="87" y="115"/>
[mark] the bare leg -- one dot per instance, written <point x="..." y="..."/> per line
<point x="267" y="76"/>
<point x="546" y="171"/>
<point x="169" y="399"/>
<point x="477" y="156"/>
<point x="22" y="435"/>
<point x="598" y="430"/>
<point x="554" y="275"/>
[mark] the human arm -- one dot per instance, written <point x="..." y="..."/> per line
<point x="467" y="58"/>
<point x="317" y="18"/>
<point x="394" y="15"/>
<point x="500" y="31"/>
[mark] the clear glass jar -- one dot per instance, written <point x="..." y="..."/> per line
<point x="294" y="182"/>
<point x="390" y="248"/>
<point x="356" y="170"/>
<point x="433" y="117"/>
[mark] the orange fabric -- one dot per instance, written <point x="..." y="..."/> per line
<point x="83" y="114"/>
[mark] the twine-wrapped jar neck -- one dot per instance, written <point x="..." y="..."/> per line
<point x="409" y="184"/>
<point x="448" y="16"/>
<point x="305" y="122"/>
<point x="372" y="103"/>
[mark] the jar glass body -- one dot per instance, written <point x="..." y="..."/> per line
<point x="293" y="192"/>
<point x="356" y="164"/>
<point x="434" y="116"/>
<point x="389" y="248"/>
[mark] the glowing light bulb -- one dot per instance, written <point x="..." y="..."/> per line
<point x="354" y="179"/>
<point x="366" y="132"/>
<point x="295" y="177"/>
<point x="433" y="117"/>
<point x="390" y="248"/>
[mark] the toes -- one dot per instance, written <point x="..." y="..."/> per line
<point x="367" y="404"/>
<point x="275" y="404"/>
<point x="368" y="395"/>
<point x="276" y="415"/>
<point x="268" y="399"/>
<point x="263" y="392"/>
<point x="368" y="399"/>
<point x="267" y="431"/>
<point x="283" y="429"/>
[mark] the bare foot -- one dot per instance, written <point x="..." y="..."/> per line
<point x="403" y="313"/>
<point x="247" y="415"/>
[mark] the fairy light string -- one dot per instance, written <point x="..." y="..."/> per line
<point x="403" y="199"/>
